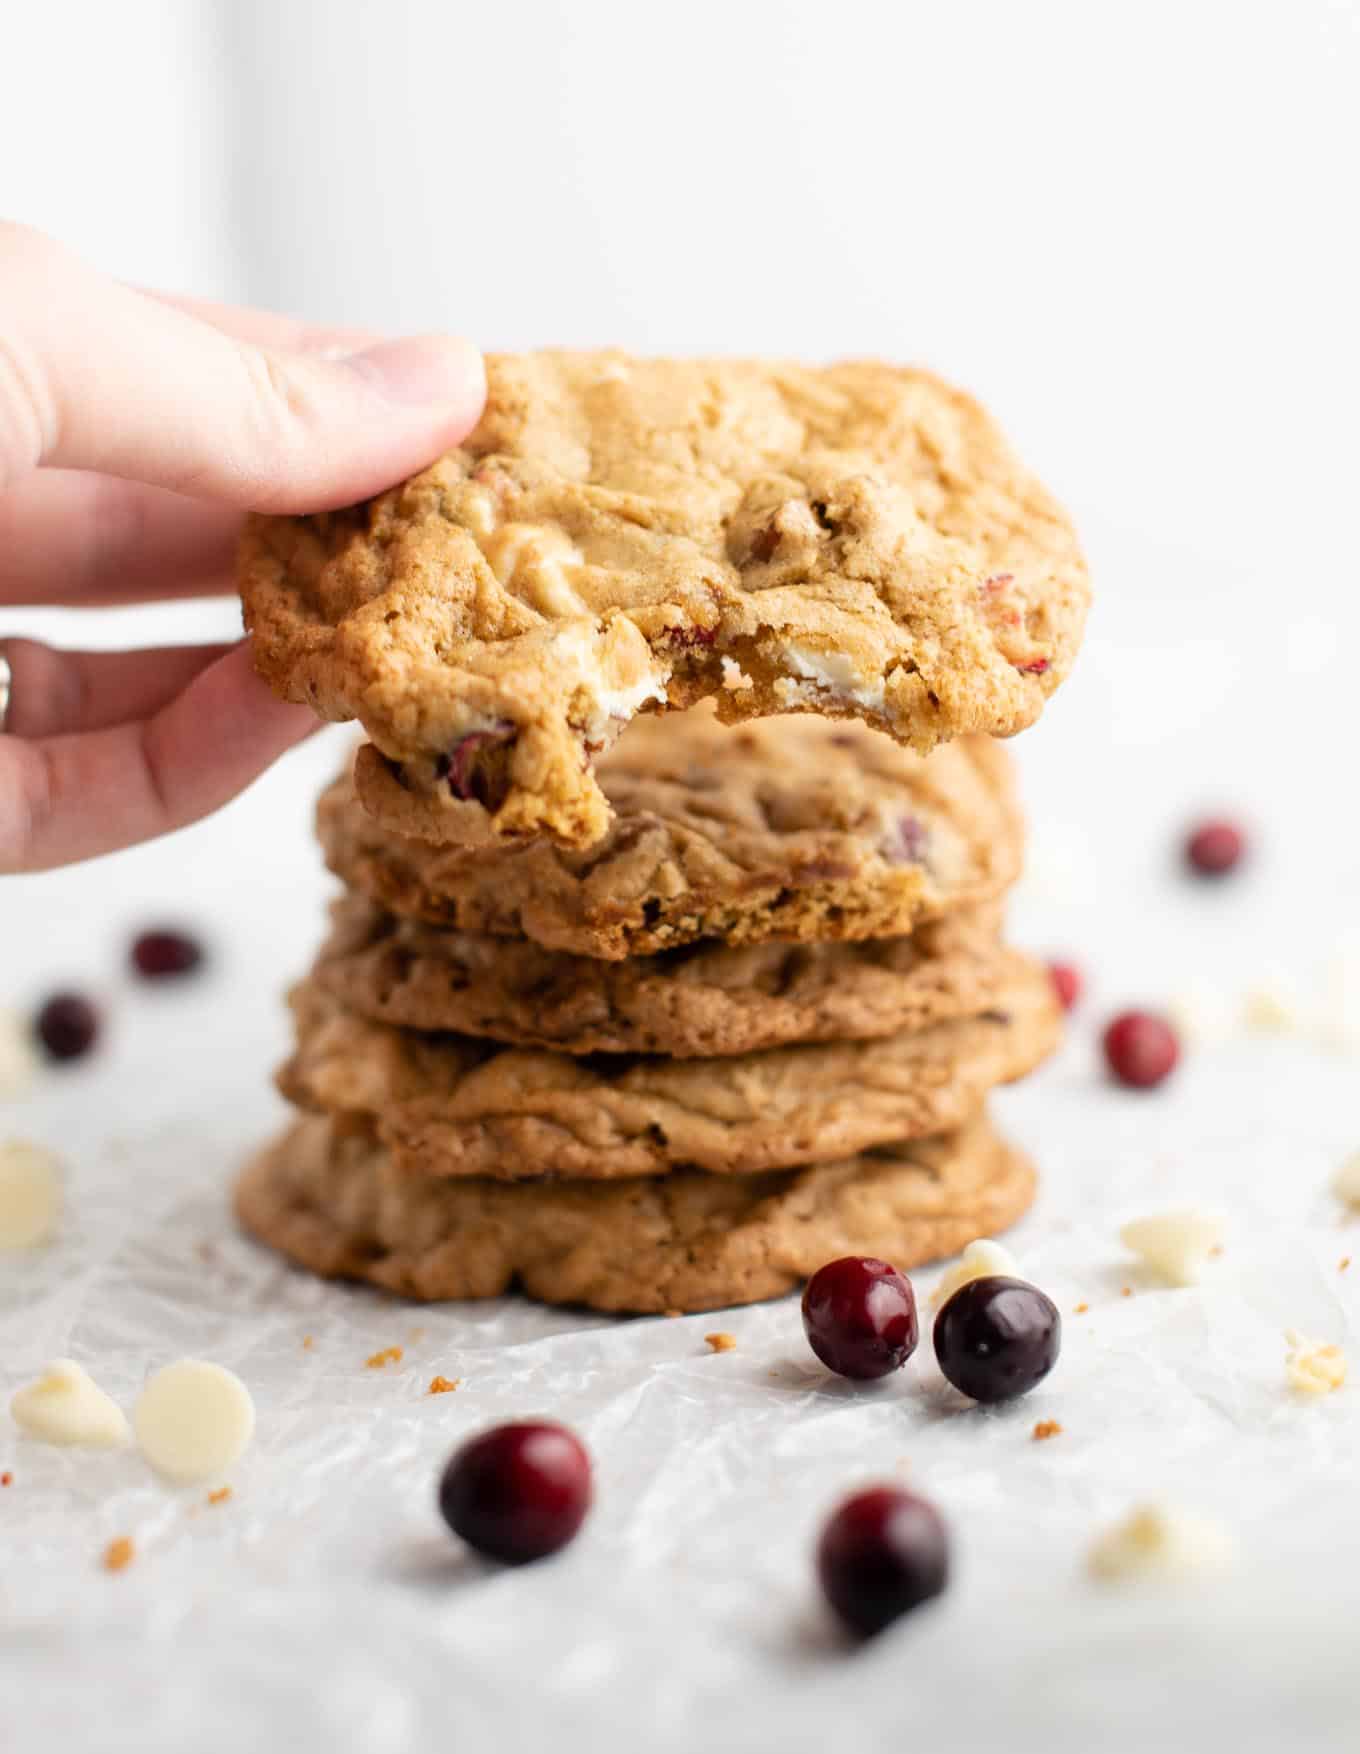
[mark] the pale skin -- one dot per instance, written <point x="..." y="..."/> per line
<point x="135" y="430"/>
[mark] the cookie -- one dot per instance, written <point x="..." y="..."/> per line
<point x="450" y="1105"/>
<point x="620" y="535"/>
<point x="701" y="1000"/>
<point x="791" y="828"/>
<point x="330" y="1200"/>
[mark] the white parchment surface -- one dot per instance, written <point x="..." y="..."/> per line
<point x="323" y="1607"/>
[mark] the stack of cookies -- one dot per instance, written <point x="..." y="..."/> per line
<point x="663" y="1021"/>
<point x="658" y="1074"/>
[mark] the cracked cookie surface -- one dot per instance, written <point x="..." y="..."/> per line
<point x="451" y="1105"/>
<point x="620" y="535"/>
<point x="795" y="828"/>
<point x="702" y="1000"/>
<point x="330" y="1200"/>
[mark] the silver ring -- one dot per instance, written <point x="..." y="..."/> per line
<point x="6" y="688"/>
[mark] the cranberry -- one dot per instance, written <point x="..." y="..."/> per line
<point x="477" y="767"/>
<point x="997" y="1337"/>
<point x="164" y="954"/>
<point x="860" y="1317"/>
<point x="1141" y="1049"/>
<point x="883" y="1553"/>
<point x="67" y="1026"/>
<point x="1214" y="848"/>
<point x="517" y="1492"/>
<point x="1067" y="983"/>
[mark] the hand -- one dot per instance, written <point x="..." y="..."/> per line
<point x="134" y="430"/>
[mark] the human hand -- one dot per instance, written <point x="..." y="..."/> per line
<point x="134" y="431"/>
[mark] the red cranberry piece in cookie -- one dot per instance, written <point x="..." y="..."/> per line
<point x="1214" y="848"/>
<point x="1067" y="983"/>
<point x="518" y="1492"/>
<point x="884" y="1552"/>
<point x="476" y="766"/>
<point x="860" y="1317"/>
<point x="67" y="1026"/>
<point x="1141" y="1049"/>
<point x="165" y="954"/>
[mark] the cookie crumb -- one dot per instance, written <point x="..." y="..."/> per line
<point x="308" y="1341"/>
<point x="6" y="1479"/>
<point x="388" y="1355"/>
<point x="672" y="1314"/>
<point x="1080" y="1308"/>
<point x="1312" y="1367"/>
<point x="1126" y="1291"/>
<point x="222" y="1494"/>
<point x="721" y="1342"/>
<point x="1271" y="1010"/>
<point x="443" y="1385"/>
<point x="1046" y="1428"/>
<point x="1343" y="1265"/>
<point x="1215" y="1251"/>
<point x="119" y="1554"/>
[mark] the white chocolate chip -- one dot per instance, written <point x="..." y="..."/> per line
<point x="734" y="677"/>
<point x="66" y="1405"/>
<point x="1313" y="1367"/>
<point x="982" y="1259"/>
<point x="193" y="1420"/>
<point x="1156" y="1541"/>
<point x="1346" y="1181"/>
<point x="18" y="1056"/>
<point x="1175" y="1244"/>
<point x="836" y="674"/>
<point x="30" y="1194"/>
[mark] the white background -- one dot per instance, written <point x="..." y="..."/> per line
<point x="1132" y="230"/>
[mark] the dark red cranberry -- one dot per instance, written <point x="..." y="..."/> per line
<point x="907" y="842"/>
<point x="1214" y="848"/>
<point x="67" y="1026"/>
<point x="164" y="954"/>
<point x="1067" y="983"/>
<point x="517" y="1492"/>
<point x="860" y="1317"/>
<point x="478" y="766"/>
<point x="997" y="1337"/>
<point x="1141" y="1049"/>
<point x="883" y="1553"/>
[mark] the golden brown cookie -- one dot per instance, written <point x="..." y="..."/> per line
<point x="331" y="1200"/>
<point x="703" y="999"/>
<point x="791" y="828"/>
<point x="450" y="1105"/>
<point x="620" y="534"/>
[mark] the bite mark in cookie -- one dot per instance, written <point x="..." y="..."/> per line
<point x="620" y="535"/>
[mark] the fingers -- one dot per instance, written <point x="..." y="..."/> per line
<point x="72" y="797"/>
<point x="59" y="694"/>
<point x="96" y="376"/>
<point x="92" y="539"/>
<point x="268" y="328"/>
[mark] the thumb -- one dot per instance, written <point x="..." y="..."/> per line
<point x="94" y="375"/>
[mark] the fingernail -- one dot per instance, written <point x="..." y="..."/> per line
<point x="425" y="370"/>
